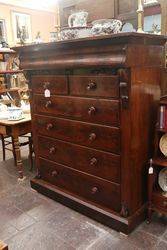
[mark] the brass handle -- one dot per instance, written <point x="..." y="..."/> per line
<point x="91" y="86"/>
<point x="92" y="136"/>
<point x="48" y="104"/>
<point x="54" y="173"/>
<point x="49" y="126"/>
<point x="93" y="162"/>
<point x="91" y="110"/>
<point x="52" y="150"/>
<point x="46" y="85"/>
<point x="94" y="190"/>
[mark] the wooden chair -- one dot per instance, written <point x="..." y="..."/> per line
<point x="7" y="141"/>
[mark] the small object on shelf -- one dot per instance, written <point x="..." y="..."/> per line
<point x="106" y="26"/>
<point x="162" y="180"/>
<point x="78" y="19"/>
<point x="163" y="145"/>
<point x="75" y="33"/>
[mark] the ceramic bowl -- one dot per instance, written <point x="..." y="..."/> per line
<point x="15" y="113"/>
<point x="71" y="33"/>
<point x="106" y="26"/>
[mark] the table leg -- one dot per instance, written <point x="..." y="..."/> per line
<point x="19" y="163"/>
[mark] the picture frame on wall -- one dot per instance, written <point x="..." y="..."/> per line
<point x="3" y="36"/>
<point x="21" y="23"/>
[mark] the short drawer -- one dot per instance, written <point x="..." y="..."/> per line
<point x="95" y="190"/>
<point x="94" y="136"/>
<point x="94" y="162"/>
<point x="102" y="86"/>
<point x="84" y="109"/>
<point x="55" y="84"/>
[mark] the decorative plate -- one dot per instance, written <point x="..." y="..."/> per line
<point x="162" y="179"/>
<point x="163" y="144"/>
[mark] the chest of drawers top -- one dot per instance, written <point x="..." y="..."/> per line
<point x="113" y="51"/>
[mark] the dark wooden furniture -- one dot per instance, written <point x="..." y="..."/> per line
<point x="93" y="134"/>
<point x="16" y="129"/>
<point x="156" y="199"/>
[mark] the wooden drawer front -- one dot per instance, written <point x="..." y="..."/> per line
<point x="104" y="86"/>
<point x="84" y="109"/>
<point x="92" y="189"/>
<point x="159" y="201"/>
<point x="95" y="136"/>
<point x="56" y="84"/>
<point x="98" y="163"/>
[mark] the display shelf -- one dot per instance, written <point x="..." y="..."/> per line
<point x="7" y="51"/>
<point x="10" y="72"/>
<point x="162" y="162"/>
<point x="8" y="90"/>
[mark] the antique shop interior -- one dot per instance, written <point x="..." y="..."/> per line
<point x="83" y="124"/>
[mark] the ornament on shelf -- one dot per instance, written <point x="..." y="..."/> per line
<point x="140" y="14"/>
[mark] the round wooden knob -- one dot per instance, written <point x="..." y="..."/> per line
<point x="94" y="190"/>
<point x="52" y="150"/>
<point x="46" y="85"/>
<point x="49" y="126"/>
<point x="91" y="110"/>
<point x="48" y="104"/>
<point x="93" y="162"/>
<point x="54" y="173"/>
<point x="91" y="86"/>
<point x="92" y="137"/>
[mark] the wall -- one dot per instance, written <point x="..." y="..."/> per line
<point x="40" y="21"/>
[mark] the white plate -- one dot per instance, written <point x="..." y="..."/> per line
<point x="162" y="179"/>
<point x="163" y="144"/>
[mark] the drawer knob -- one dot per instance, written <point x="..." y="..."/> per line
<point x="91" y="110"/>
<point x="92" y="137"/>
<point x="46" y="85"/>
<point x="49" y="126"/>
<point x="52" y="150"/>
<point x="54" y="173"/>
<point x="48" y="104"/>
<point x="93" y="162"/>
<point x="91" y="86"/>
<point x="94" y="190"/>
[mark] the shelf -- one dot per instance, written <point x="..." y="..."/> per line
<point x="7" y="51"/>
<point x="159" y="194"/>
<point x="160" y="162"/>
<point x="162" y="130"/>
<point x="10" y="72"/>
<point x="9" y="90"/>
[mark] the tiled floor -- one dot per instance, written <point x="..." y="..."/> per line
<point x="30" y="221"/>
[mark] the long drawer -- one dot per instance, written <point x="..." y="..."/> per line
<point x="85" y="186"/>
<point x="98" y="86"/>
<point x="85" y="109"/>
<point x="55" y="84"/>
<point x="94" y="162"/>
<point x="95" y="136"/>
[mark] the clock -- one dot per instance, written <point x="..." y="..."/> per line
<point x="163" y="144"/>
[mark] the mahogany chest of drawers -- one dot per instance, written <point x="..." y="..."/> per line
<point x="93" y="110"/>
